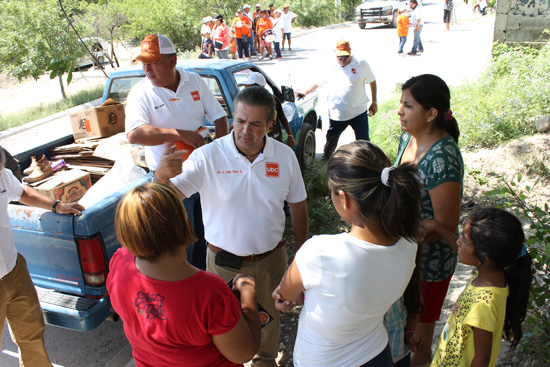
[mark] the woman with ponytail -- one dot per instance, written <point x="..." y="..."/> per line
<point x="430" y="141"/>
<point x="349" y="280"/>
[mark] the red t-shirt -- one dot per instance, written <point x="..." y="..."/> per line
<point x="172" y="323"/>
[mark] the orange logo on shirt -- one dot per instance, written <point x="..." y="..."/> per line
<point x="196" y="96"/>
<point x="271" y="169"/>
<point x="354" y="71"/>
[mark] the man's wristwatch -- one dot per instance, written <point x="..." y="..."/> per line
<point x="54" y="206"/>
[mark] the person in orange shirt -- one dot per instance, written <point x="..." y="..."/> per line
<point x="242" y="25"/>
<point x="263" y="24"/>
<point x="402" y="30"/>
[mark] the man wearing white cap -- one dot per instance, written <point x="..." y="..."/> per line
<point x="255" y="79"/>
<point x="345" y="84"/>
<point x="207" y="25"/>
<point x="169" y="105"/>
<point x="288" y="18"/>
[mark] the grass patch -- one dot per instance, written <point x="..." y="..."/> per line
<point x="498" y="107"/>
<point x="44" y="110"/>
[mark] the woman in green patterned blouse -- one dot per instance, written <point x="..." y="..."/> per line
<point x="430" y="140"/>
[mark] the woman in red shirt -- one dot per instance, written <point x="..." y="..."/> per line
<point x="173" y="313"/>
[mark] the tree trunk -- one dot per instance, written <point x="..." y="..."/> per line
<point x="62" y="87"/>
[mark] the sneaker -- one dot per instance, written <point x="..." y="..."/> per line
<point x="412" y="53"/>
<point x="261" y="58"/>
<point x="250" y="59"/>
<point x="279" y="57"/>
<point x="270" y="57"/>
<point x="289" y="49"/>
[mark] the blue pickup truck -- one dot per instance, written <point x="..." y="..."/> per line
<point x="68" y="257"/>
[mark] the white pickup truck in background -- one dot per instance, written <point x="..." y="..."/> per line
<point x="380" y="11"/>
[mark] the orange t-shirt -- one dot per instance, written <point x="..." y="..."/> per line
<point x="263" y="25"/>
<point x="403" y="26"/>
<point x="239" y="31"/>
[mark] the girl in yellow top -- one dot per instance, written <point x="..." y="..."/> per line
<point x="495" y="300"/>
<point x="402" y="29"/>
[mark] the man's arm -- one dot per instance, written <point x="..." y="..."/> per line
<point x="311" y="88"/>
<point x="374" y="104"/>
<point x="32" y="197"/>
<point x="149" y="135"/>
<point x="300" y="223"/>
<point x="221" y="126"/>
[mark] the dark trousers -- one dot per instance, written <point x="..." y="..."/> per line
<point x="242" y="47"/>
<point x="360" y="125"/>
<point x="381" y="360"/>
<point x="196" y="252"/>
<point x="277" y="48"/>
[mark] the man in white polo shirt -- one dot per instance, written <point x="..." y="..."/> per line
<point x="170" y="105"/>
<point x="244" y="179"/>
<point x="345" y="83"/>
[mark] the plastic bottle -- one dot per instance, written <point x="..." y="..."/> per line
<point x="183" y="146"/>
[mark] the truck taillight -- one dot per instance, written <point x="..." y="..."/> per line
<point x="92" y="260"/>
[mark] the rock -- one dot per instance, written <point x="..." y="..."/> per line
<point x="543" y="124"/>
<point x="515" y="360"/>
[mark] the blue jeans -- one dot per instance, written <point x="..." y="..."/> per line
<point x="402" y="41"/>
<point x="360" y="125"/>
<point x="196" y="252"/>
<point x="277" y="48"/>
<point x="252" y="51"/>
<point x="417" y="43"/>
<point x="242" y="47"/>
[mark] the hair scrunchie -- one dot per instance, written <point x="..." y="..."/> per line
<point x="385" y="175"/>
<point x="449" y="115"/>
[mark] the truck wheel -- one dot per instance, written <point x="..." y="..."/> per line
<point x="362" y="25"/>
<point x="394" y="20"/>
<point x="306" y="146"/>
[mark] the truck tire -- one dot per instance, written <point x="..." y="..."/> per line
<point x="100" y="61"/>
<point x="394" y="20"/>
<point x="362" y="25"/>
<point x="306" y="146"/>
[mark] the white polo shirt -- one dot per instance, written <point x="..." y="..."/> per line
<point x="417" y="14"/>
<point x="346" y="93"/>
<point x="242" y="202"/>
<point x="10" y="190"/>
<point x="160" y="107"/>
<point x="287" y="19"/>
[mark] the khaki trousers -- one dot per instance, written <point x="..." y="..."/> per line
<point x="20" y="306"/>
<point x="268" y="273"/>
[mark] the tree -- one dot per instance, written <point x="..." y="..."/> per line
<point x="35" y="34"/>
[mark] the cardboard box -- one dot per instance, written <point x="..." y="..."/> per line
<point x="66" y="186"/>
<point x="98" y="122"/>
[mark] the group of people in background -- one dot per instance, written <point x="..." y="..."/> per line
<point x="249" y="34"/>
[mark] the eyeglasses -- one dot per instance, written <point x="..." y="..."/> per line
<point x="343" y="57"/>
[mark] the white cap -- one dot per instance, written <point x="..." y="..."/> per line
<point x="246" y="6"/>
<point x="278" y="11"/>
<point x="254" y="78"/>
<point x="258" y="6"/>
<point x="206" y="19"/>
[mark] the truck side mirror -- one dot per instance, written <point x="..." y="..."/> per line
<point x="288" y="94"/>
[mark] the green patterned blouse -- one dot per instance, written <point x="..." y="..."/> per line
<point x="442" y="163"/>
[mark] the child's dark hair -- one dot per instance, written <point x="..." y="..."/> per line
<point x="356" y="169"/>
<point x="498" y="235"/>
<point x="432" y="92"/>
